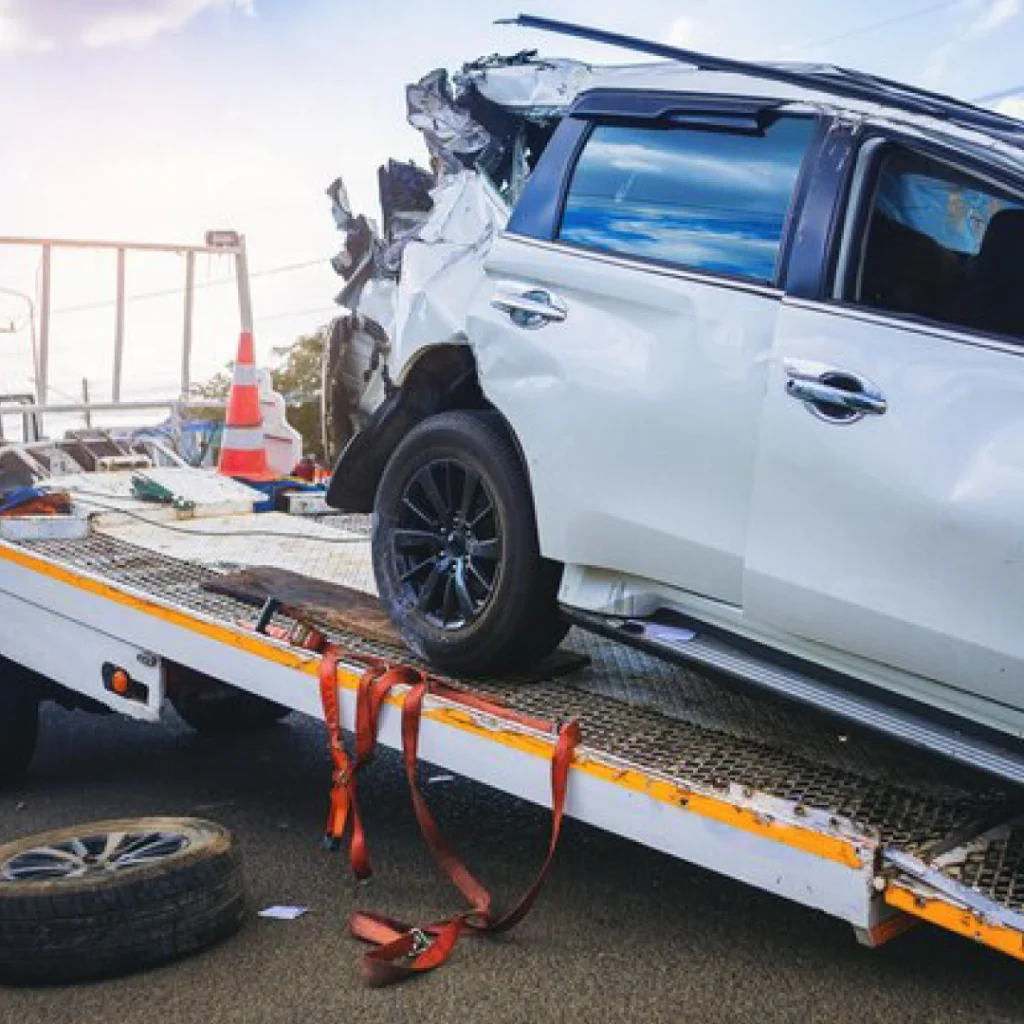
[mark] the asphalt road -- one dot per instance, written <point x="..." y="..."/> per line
<point x="621" y="933"/>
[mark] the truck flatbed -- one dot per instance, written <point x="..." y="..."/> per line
<point x="767" y="793"/>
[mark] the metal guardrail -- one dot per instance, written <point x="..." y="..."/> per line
<point x="90" y="407"/>
<point x="219" y="243"/>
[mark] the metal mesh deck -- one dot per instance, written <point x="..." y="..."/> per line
<point x="995" y="868"/>
<point x="670" y="722"/>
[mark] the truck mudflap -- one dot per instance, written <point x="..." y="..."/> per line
<point x="973" y="886"/>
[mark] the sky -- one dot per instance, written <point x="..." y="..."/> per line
<point x="154" y="120"/>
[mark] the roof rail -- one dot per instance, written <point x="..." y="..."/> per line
<point x="835" y="80"/>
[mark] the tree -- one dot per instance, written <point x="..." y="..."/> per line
<point x="216" y="387"/>
<point x="296" y="375"/>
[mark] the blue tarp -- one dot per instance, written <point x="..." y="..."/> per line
<point x="19" y="496"/>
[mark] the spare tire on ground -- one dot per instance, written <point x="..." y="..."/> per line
<point x="111" y="897"/>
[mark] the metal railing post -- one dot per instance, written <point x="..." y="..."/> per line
<point x="42" y="377"/>
<point x="186" y="341"/>
<point x="85" y="401"/>
<point x="244" y="292"/>
<point x="115" y="389"/>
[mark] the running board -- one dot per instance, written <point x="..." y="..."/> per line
<point x="692" y="647"/>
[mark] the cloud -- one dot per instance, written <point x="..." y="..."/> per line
<point x="681" y="33"/>
<point x="606" y="159"/>
<point x="937" y="63"/>
<point x="992" y="16"/>
<point x="39" y="25"/>
<point x="1012" y="106"/>
<point x="985" y="17"/>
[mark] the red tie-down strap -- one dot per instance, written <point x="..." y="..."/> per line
<point x="403" y="951"/>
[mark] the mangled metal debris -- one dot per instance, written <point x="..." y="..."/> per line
<point x="408" y="279"/>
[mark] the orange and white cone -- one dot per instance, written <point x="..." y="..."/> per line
<point x="243" y="451"/>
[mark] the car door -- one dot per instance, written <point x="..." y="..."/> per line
<point x="625" y="331"/>
<point x="888" y="508"/>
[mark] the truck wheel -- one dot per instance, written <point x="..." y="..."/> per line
<point x="213" y="708"/>
<point x="19" y="721"/>
<point x="455" y="549"/>
<point x="115" y="896"/>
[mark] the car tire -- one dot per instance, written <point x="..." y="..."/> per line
<point x="168" y="888"/>
<point x="455" y="549"/>
<point x="213" y="708"/>
<point x="19" y="721"/>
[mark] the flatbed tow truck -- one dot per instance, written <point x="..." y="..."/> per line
<point x="772" y="794"/>
<point x="110" y="605"/>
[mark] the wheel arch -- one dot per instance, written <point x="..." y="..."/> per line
<point x="439" y="378"/>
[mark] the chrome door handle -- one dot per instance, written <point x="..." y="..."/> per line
<point x="836" y="396"/>
<point x="529" y="307"/>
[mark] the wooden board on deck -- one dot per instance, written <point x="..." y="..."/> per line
<point x="351" y="611"/>
<point x="312" y="600"/>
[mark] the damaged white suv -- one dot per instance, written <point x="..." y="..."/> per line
<point x="723" y="360"/>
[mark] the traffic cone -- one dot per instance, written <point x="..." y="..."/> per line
<point x="243" y="451"/>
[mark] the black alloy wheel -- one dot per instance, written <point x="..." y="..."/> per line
<point x="448" y="543"/>
<point x="455" y="549"/>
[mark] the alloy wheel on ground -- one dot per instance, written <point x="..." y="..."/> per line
<point x="93" y="853"/>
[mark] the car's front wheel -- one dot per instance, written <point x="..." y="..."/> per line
<point x="455" y="549"/>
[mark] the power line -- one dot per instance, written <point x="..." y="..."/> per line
<point x="884" y="23"/>
<point x="296" y="312"/>
<point x="318" y="311"/>
<point x="212" y="283"/>
<point x="1002" y="94"/>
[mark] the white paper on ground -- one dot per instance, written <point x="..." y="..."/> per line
<point x="283" y="913"/>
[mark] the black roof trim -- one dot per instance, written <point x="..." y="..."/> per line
<point x="656" y="104"/>
<point x="834" y="80"/>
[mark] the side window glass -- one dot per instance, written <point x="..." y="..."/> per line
<point x="944" y="246"/>
<point x="699" y="198"/>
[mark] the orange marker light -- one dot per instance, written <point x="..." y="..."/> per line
<point x="120" y="682"/>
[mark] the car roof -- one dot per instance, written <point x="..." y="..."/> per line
<point x="1007" y="147"/>
<point x="832" y="80"/>
<point x="546" y="86"/>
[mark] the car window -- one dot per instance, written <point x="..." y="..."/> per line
<point x="942" y="245"/>
<point x="693" y="197"/>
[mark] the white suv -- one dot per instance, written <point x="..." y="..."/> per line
<point x="726" y="361"/>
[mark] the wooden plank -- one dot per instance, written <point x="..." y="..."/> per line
<point x="334" y="606"/>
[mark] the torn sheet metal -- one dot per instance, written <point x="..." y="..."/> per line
<point x="409" y="281"/>
<point x="528" y="85"/>
<point x="449" y="130"/>
<point x="443" y="268"/>
<point x="406" y="204"/>
<point x="359" y="234"/>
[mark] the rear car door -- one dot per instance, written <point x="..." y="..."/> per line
<point x="888" y="509"/>
<point x="627" y="323"/>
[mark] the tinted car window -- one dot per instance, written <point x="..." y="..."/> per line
<point x="944" y="246"/>
<point x="708" y="200"/>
